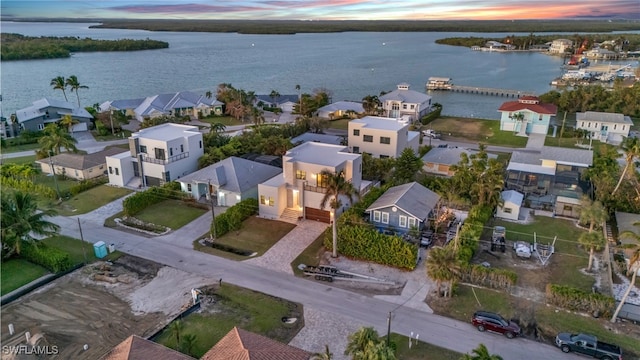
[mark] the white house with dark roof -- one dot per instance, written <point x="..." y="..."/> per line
<point x="439" y="160"/>
<point x="340" y="109"/>
<point x="511" y="204"/>
<point x="157" y="155"/>
<point x="184" y="103"/>
<point x="46" y="111"/>
<point x="299" y="190"/>
<point x="381" y="137"/>
<point x="229" y="181"/>
<point x="284" y="102"/>
<point x="405" y="103"/>
<point x="403" y="207"/>
<point x="127" y="107"/>
<point x="604" y="126"/>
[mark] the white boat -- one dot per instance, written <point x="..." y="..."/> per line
<point x="439" y="83"/>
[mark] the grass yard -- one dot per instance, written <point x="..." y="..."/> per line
<point x="342" y="124"/>
<point x="170" y="213"/>
<point x="124" y="134"/>
<point x="77" y="249"/>
<point x="480" y="130"/>
<point x="225" y="120"/>
<point x="570" y="142"/>
<point x="90" y="200"/>
<point x="256" y="234"/>
<point x="21" y="147"/>
<point x="236" y="306"/>
<point x="421" y="350"/>
<point x="19" y="160"/>
<point x="312" y="254"/>
<point x="18" y="272"/>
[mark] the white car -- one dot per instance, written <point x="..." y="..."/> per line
<point x="430" y="133"/>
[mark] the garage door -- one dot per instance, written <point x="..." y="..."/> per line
<point x="79" y="127"/>
<point x="317" y="214"/>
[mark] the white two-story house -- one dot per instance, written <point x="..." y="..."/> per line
<point x="405" y="103"/>
<point x="156" y="156"/>
<point x="605" y="127"/>
<point x="381" y="137"/>
<point x="299" y="190"/>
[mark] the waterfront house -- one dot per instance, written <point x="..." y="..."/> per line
<point x="604" y="126"/>
<point x="286" y="103"/>
<point x="560" y="46"/>
<point x="157" y="155"/>
<point x="240" y="344"/>
<point x="184" y="103"/>
<point x="136" y="348"/>
<point x="341" y="109"/>
<point x="228" y="181"/>
<point x="439" y="160"/>
<point x="299" y="190"/>
<point x="46" y="111"/>
<point x="78" y="166"/>
<point x="403" y="207"/>
<point x="381" y="137"/>
<point x="527" y="115"/>
<point x="510" y="207"/>
<point x="405" y="103"/>
<point x="126" y="107"/>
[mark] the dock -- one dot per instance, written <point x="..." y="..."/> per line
<point x="490" y="91"/>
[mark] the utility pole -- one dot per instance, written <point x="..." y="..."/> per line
<point x="55" y="180"/>
<point x="389" y="329"/>
<point x="113" y="132"/>
<point x="84" y="253"/>
<point x="213" y="213"/>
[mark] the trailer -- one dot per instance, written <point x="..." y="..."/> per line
<point x="330" y="273"/>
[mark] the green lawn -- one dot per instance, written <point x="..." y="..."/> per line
<point x="90" y="200"/>
<point x="569" y="142"/>
<point x="225" y="120"/>
<point x="18" y="272"/>
<point x="256" y="235"/>
<point x="480" y="130"/>
<point x="421" y="350"/>
<point x="18" y="148"/>
<point x="78" y="250"/>
<point x="342" y="124"/>
<point x="118" y="136"/>
<point x="312" y="254"/>
<point x="20" y="160"/>
<point x="247" y="309"/>
<point x="170" y="213"/>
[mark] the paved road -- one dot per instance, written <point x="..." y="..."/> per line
<point x="171" y="251"/>
<point x="86" y="142"/>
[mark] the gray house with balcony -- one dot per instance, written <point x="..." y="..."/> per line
<point x="46" y="111"/>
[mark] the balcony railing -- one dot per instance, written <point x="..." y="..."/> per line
<point x="315" y="189"/>
<point x="171" y="159"/>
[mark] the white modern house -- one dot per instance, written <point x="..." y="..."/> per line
<point x="382" y="137"/>
<point x="603" y="126"/>
<point x="527" y="115"/>
<point x="299" y="190"/>
<point x="511" y="203"/>
<point x="46" y="111"/>
<point x="405" y="103"/>
<point x="157" y="155"/>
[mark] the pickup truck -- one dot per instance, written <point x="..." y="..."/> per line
<point x="588" y="345"/>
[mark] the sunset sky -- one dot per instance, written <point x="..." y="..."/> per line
<point x="325" y="10"/>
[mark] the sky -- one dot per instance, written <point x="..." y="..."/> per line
<point x="324" y="10"/>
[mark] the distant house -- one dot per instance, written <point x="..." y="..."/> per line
<point x="560" y="46"/>
<point x="78" y="166"/>
<point x="229" y="181"/>
<point x="46" y="111"/>
<point x="341" y="109"/>
<point x="285" y="102"/>
<point x="405" y="103"/>
<point x="157" y="155"/>
<point x="126" y="107"/>
<point x="526" y="116"/>
<point x="381" y="137"/>
<point x="601" y="54"/>
<point x="439" y="160"/>
<point x="240" y="344"/>
<point x="136" y="348"/>
<point x="511" y="203"/>
<point x="184" y="103"/>
<point x="603" y="126"/>
<point x="403" y="207"/>
<point x="321" y="138"/>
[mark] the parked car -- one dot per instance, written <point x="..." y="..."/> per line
<point x="588" y="345"/>
<point x="488" y="321"/>
<point x="430" y="133"/>
<point x="427" y="238"/>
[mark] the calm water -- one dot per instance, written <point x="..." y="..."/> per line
<point x="350" y="65"/>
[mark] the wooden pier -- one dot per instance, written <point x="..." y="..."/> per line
<point x="490" y="91"/>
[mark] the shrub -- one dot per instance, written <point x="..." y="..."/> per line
<point x="489" y="277"/>
<point x="234" y="216"/>
<point x="85" y="185"/>
<point x="142" y="200"/>
<point x="50" y="258"/>
<point x="431" y="116"/>
<point x="578" y="300"/>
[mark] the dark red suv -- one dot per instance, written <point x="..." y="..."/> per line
<point x="484" y="320"/>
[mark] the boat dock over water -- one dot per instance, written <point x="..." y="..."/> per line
<point x="440" y="83"/>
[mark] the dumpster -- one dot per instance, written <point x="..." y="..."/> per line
<point x="100" y="249"/>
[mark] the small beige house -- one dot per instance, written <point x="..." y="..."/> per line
<point x="511" y="203"/>
<point x="78" y="166"/>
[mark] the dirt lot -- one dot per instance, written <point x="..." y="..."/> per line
<point x="131" y="297"/>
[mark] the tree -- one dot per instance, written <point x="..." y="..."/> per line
<point x="594" y="241"/>
<point x="208" y="94"/>
<point x="481" y="353"/>
<point x="73" y="83"/>
<point x="631" y="148"/>
<point x="68" y="122"/>
<point x="60" y="83"/>
<point x="217" y="128"/>
<point x="370" y="104"/>
<point x="634" y="264"/>
<point x="188" y="342"/>
<point x="357" y="342"/>
<point x="274" y="95"/>
<point x="55" y="138"/>
<point x="21" y="219"/>
<point x="336" y="185"/>
<point x="176" y="329"/>
<point x="325" y="355"/>
<point x="375" y="351"/>
<point x="299" y="96"/>
<point x="408" y="165"/>
<point x="592" y="212"/>
<point x="443" y="266"/>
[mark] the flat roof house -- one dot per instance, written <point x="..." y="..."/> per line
<point x="157" y="155"/>
<point x="439" y="160"/>
<point x="46" y="111"/>
<point x="381" y="136"/>
<point x="526" y="116"/>
<point x="603" y="126"/>
<point x="407" y="103"/>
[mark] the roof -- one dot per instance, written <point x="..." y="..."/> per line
<point x="405" y="96"/>
<point x="412" y="198"/>
<point x="265" y="159"/>
<point x="167" y="131"/>
<point x="512" y="196"/>
<point x="530" y="103"/>
<point x="603" y="117"/>
<point x="240" y="344"/>
<point x="79" y="161"/>
<point x="121" y="104"/>
<point x="320" y="154"/>
<point x="378" y="122"/>
<point x="449" y="155"/>
<point x="233" y="174"/>
<point x="39" y="108"/>
<point x="564" y="156"/>
<point x="321" y="138"/>
<point x="164" y="103"/>
<point x="137" y="348"/>
<point x="282" y="99"/>
<point x="625" y="222"/>
<point x="344" y="106"/>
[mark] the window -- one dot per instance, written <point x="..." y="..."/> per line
<point x="110" y="170"/>
<point x="588" y="124"/>
<point x="356" y="132"/>
<point x="117" y="171"/>
<point x="395" y="106"/>
<point x="582" y="124"/>
<point x="412" y="222"/>
<point x="159" y="154"/>
<point x="385" y="218"/>
<point x="170" y="151"/>
<point x="403" y="221"/>
<point x="166" y="176"/>
<point x="356" y="149"/>
<point x="376" y="216"/>
<point x="181" y="148"/>
<point x="384" y="156"/>
<point x="615" y="126"/>
<point x="40" y="126"/>
<point x="188" y="187"/>
<point x="385" y="140"/>
<point x="200" y="144"/>
<point x="540" y="117"/>
<point x="567" y="208"/>
<point x="302" y="175"/>
<point x="143" y="149"/>
<point x="507" y="210"/>
<point x="367" y="138"/>
<point x="263" y="201"/>
<point x="271" y="202"/>
<point x="623" y="126"/>
<point x="321" y="181"/>
<point x="413" y="106"/>
<point x="404" y="106"/>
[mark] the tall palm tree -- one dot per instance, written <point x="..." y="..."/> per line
<point x="481" y="353"/>
<point x="274" y="95"/>
<point x="68" y="122"/>
<point x="592" y="212"/>
<point x="325" y="355"/>
<point x="299" y="97"/>
<point x="631" y="148"/>
<point x="55" y="138"/>
<point x="73" y="83"/>
<point x="176" y="329"/>
<point x="60" y="83"/>
<point x="634" y="264"/>
<point x="594" y="241"/>
<point x="358" y="341"/>
<point x="217" y="128"/>
<point x="208" y="94"/>
<point x="443" y="266"/>
<point x="336" y="185"/>
<point x="21" y="219"/>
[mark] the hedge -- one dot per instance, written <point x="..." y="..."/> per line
<point x="234" y="216"/>
<point x="431" y="116"/>
<point x="52" y="259"/>
<point x="579" y="300"/>
<point x="157" y="194"/>
<point x="85" y="185"/>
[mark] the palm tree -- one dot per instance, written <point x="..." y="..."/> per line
<point x="176" y="328"/>
<point x="217" y="128"/>
<point x="481" y="353"/>
<point x="73" y="83"/>
<point x="375" y="351"/>
<point x="370" y="104"/>
<point x="443" y="266"/>
<point x="188" y="342"/>
<point x="631" y="148"/>
<point x="208" y="94"/>
<point x="299" y="96"/>
<point x="358" y="341"/>
<point x="335" y="185"/>
<point x="592" y="212"/>
<point x="59" y="83"/>
<point x="325" y="355"/>
<point x="634" y="264"/>
<point x="274" y="95"/>
<point x="594" y="241"/>
<point x="21" y="219"/>
<point x="55" y="138"/>
<point x="68" y="121"/>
